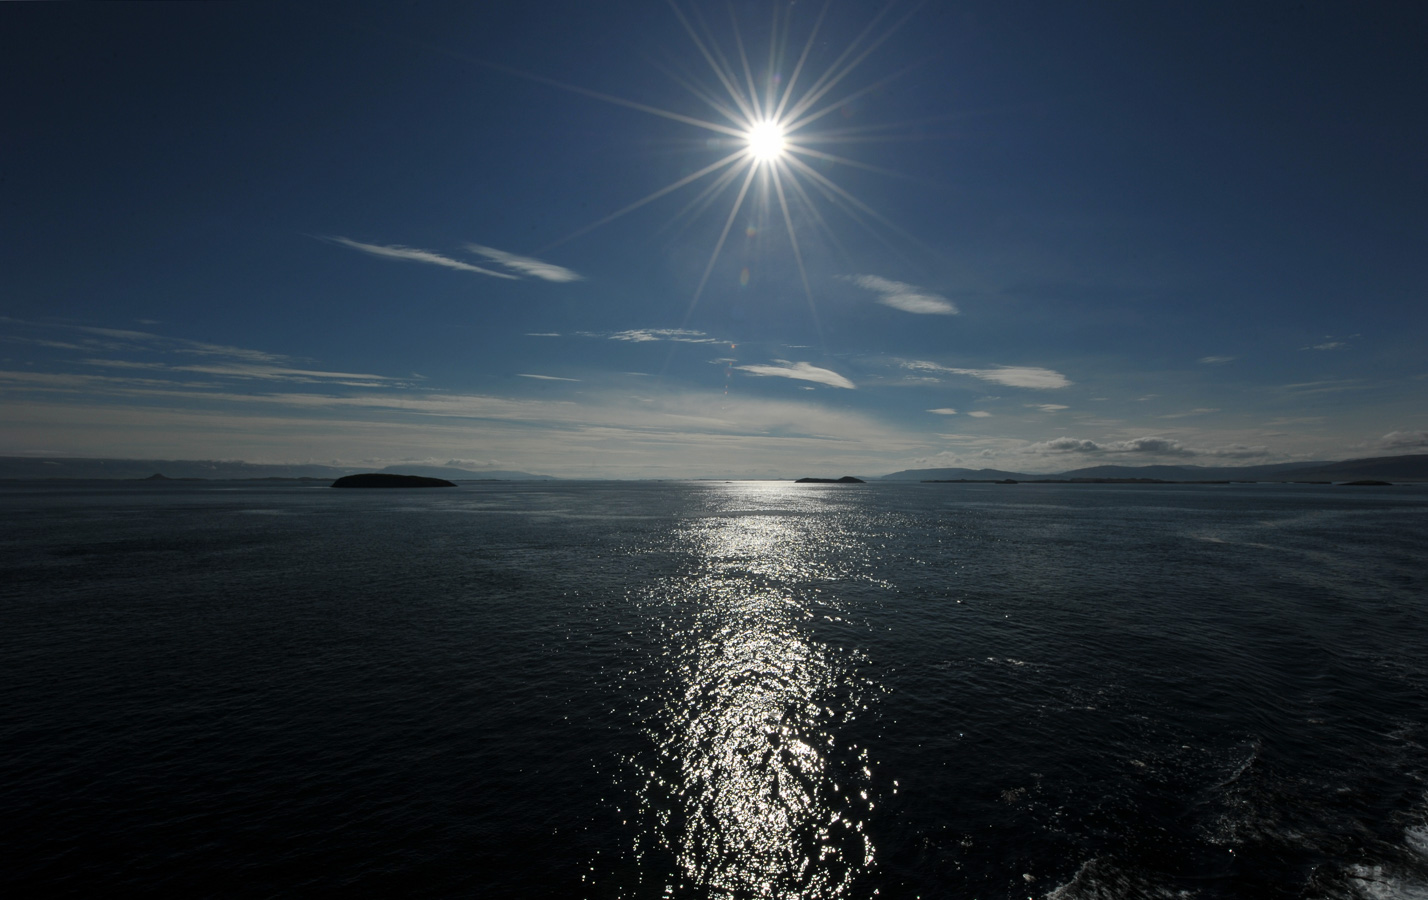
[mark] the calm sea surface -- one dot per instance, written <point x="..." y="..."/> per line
<point x="746" y="690"/>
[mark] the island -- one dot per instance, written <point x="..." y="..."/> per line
<point x="388" y="480"/>
<point x="846" y="479"/>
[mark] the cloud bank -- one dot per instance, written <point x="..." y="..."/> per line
<point x="1142" y="446"/>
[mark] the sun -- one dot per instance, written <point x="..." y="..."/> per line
<point x="768" y="118"/>
<point x="766" y="142"/>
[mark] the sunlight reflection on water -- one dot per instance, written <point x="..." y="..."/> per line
<point x="754" y="792"/>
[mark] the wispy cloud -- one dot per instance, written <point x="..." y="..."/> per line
<point x="118" y="339"/>
<point x="542" y="334"/>
<point x="643" y="335"/>
<point x="254" y="370"/>
<point x="906" y="297"/>
<point x="1047" y="407"/>
<point x="545" y="377"/>
<point x="944" y="411"/>
<point x="1404" y="440"/>
<point x="411" y="254"/>
<point x="801" y="371"/>
<point x="1327" y="386"/>
<point x="198" y="348"/>
<point x="1200" y="411"/>
<point x="1011" y="376"/>
<point x="526" y="265"/>
<point x="980" y="414"/>
<point x="1216" y="360"/>
<point x="1331" y="342"/>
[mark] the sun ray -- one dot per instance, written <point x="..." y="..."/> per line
<point x="708" y="97"/>
<point x="719" y="71"/>
<point x="667" y="189"/>
<point x="703" y="199"/>
<point x="843" y="160"/>
<point x="772" y="126"/>
<point x="819" y="90"/>
<point x="618" y="101"/>
<point x="803" y="57"/>
<point x="816" y="90"/>
<point x="775" y="175"/>
<point x="748" y="73"/>
<point x="719" y="246"/>
<point x="770" y="92"/>
<point x="812" y="209"/>
<point x="849" y="98"/>
<point x="867" y="210"/>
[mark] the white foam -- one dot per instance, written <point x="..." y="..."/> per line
<point x="1098" y="880"/>
<point x="1374" y="883"/>
<point x="1380" y="883"/>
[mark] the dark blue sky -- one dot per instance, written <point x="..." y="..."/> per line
<point x="1031" y="235"/>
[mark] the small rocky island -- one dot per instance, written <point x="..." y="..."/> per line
<point x="846" y="479"/>
<point x="388" y="480"/>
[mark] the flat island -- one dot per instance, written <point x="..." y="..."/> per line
<point x="387" y="480"/>
<point x="846" y="479"/>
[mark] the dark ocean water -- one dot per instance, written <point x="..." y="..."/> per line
<point x="747" y="690"/>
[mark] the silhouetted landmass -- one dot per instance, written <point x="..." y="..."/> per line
<point x="389" y="480"/>
<point x="456" y="473"/>
<point x="846" y="479"/>
<point x="1368" y="482"/>
<point x="34" y="468"/>
<point x="1409" y="468"/>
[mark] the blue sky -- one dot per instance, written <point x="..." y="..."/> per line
<point x="1030" y="236"/>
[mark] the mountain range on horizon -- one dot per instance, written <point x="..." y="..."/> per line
<point x="1407" y="468"/>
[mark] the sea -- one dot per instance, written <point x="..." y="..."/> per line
<point x="714" y="690"/>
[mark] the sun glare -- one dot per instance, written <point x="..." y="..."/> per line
<point x="767" y="118"/>
<point x="766" y="141"/>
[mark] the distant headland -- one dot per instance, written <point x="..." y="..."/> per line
<point x="389" y="480"/>
<point x="846" y="479"/>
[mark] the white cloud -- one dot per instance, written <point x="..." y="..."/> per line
<point x="412" y="254"/>
<point x="1198" y="411"/>
<point x="944" y="411"/>
<point x="545" y="377"/>
<point x="1064" y="445"/>
<point x="643" y="335"/>
<point x="199" y="348"/>
<point x="1011" y="376"/>
<point x="1327" y="345"/>
<point x="802" y="371"/>
<point x="527" y="265"/>
<point x="906" y="297"/>
<point x="1215" y="360"/>
<point x="1402" y="440"/>
<point x="980" y="414"/>
<point x="542" y="334"/>
<point x="1047" y="407"/>
<point x="253" y="370"/>
<point x="1144" y="445"/>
